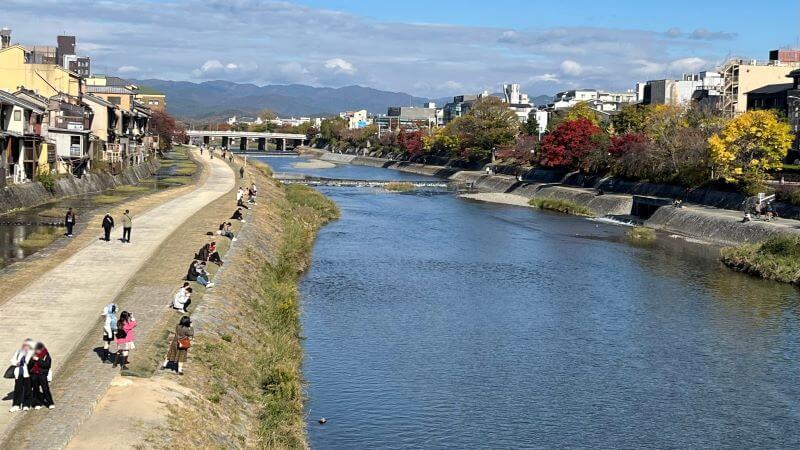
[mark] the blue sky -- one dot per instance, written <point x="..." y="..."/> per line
<point x="430" y="48"/>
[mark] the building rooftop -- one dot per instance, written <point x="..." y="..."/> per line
<point x="146" y="90"/>
<point x="109" y="90"/>
<point x="11" y="99"/>
<point x="772" y="88"/>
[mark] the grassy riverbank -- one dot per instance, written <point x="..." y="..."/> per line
<point x="562" y="206"/>
<point x="775" y="259"/>
<point x="245" y="366"/>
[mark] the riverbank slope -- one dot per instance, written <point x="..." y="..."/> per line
<point x="712" y="219"/>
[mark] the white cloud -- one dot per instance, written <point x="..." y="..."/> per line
<point x="686" y="65"/>
<point x="571" y="68"/>
<point x="128" y="69"/>
<point x="545" y="77"/>
<point x="339" y="65"/>
<point x="451" y="85"/>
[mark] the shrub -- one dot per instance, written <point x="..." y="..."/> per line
<point x="778" y="258"/>
<point x="562" y="206"/>
<point x="642" y="234"/>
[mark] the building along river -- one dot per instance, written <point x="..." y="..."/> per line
<point x="432" y="321"/>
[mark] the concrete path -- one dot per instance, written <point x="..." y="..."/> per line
<point x="63" y="305"/>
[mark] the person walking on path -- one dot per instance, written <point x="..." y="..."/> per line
<point x="23" y="394"/>
<point x="241" y="172"/>
<point x="69" y="221"/>
<point x="179" y="347"/>
<point x="108" y="225"/>
<point x="40" y="369"/>
<point x="125" y="326"/>
<point x="109" y="330"/>
<point x="127" y="224"/>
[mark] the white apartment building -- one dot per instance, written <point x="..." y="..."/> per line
<point x="356" y="119"/>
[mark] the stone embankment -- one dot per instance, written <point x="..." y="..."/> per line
<point x="33" y="194"/>
<point x="708" y="215"/>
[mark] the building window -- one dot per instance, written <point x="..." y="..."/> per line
<point x="114" y="100"/>
<point x="17" y="116"/>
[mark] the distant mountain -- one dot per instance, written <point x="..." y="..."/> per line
<point x="540" y="100"/>
<point x="213" y="100"/>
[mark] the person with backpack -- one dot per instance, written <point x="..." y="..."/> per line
<point x="124" y="339"/>
<point x="39" y="368"/>
<point x="127" y="224"/>
<point x="108" y="224"/>
<point x="109" y="330"/>
<point x="179" y="347"/>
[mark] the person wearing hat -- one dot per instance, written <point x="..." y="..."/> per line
<point x="23" y="394"/>
<point x="178" y="348"/>
<point x="108" y="224"/>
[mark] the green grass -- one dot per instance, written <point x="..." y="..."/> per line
<point x="107" y="199"/>
<point x="642" y="234"/>
<point x="282" y="421"/>
<point x="399" y="187"/>
<point x="777" y="259"/>
<point x="562" y="206"/>
<point x="130" y="189"/>
<point x="37" y="240"/>
<point x="176" y="180"/>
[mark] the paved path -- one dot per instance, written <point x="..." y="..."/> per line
<point x="63" y="305"/>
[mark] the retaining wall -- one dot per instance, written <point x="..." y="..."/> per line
<point x="33" y="194"/>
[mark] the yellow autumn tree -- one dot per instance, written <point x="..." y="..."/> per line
<point x="582" y="110"/>
<point x="750" y="145"/>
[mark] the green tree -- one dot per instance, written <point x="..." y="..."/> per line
<point x="531" y="126"/>
<point x="488" y="125"/>
<point x="582" y="110"/>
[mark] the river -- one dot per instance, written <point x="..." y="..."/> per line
<point x="436" y="322"/>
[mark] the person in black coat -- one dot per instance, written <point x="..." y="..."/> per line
<point x="108" y="224"/>
<point x="39" y="370"/>
<point x="69" y="221"/>
<point x="237" y="215"/>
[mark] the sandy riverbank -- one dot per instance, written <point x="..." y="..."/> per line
<point x="497" y="197"/>
<point x="314" y="164"/>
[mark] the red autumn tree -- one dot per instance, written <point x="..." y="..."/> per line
<point x="569" y="144"/>
<point x="411" y="142"/>
<point x="628" y="143"/>
<point x="167" y="130"/>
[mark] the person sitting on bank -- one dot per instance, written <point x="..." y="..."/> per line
<point x="213" y="254"/>
<point x="227" y="231"/>
<point x="179" y="347"/>
<point x="198" y="274"/>
<point x="237" y="215"/>
<point x="182" y="299"/>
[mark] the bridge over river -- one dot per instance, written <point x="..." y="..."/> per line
<point x="230" y="139"/>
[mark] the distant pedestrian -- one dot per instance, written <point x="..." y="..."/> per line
<point x="108" y="225"/>
<point x="181" y="342"/>
<point x="109" y="330"/>
<point x="125" y="339"/>
<point x="23" y="395"/>
<point x="201" y="150"/>
<point x="69" y="221"/>
<point x="40" y="368"/>
<point x="241" y="172"/>
<point x="127" y="224"/>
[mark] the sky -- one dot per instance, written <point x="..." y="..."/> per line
<point x="429" y="48"/>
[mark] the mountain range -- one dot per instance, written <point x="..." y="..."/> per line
<point x="217" y="100"/>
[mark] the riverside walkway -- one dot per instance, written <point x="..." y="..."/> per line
<point x="63" y="305"/>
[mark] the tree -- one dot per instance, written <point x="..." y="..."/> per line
<point x="488" y="125"/>
<point x="331" y="129"/>
<point x="568" y="145"/>
<point x="750" y="145"/>
<point x="582" y="110"/>
<point x="521" y="152"/>
<point x="411" y="142"/>
<point x="165" y="127"/>
<point x="439" y="141"/>
<point x="531" y="126"/>
<point x="631" y="119"/>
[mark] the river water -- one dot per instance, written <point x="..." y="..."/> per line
<point x="436" y="322"/>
